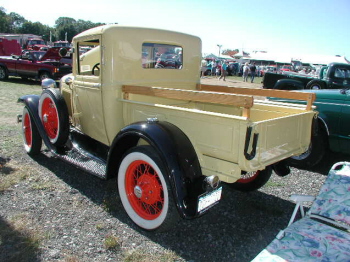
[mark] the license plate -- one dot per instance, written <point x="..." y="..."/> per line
<point x="207" y="200"/>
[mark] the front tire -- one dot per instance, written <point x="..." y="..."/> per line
<point x="53" y="113"/>
<point x="251" y="181"/>
<point x="31" y="137"/>
<point x="145" y="191"/>
<point x="3" y="73"/>
<point x="44" y="75"/>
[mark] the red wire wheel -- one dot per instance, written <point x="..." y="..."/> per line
<point x="53" y="113"/>
<point x="251" y="181"/>
<point x="248" y="177"/>
<point x="49" y="118"/>
<point x="144" y="190"/>
<point x="31" y="137"/>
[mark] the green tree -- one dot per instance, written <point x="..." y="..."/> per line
<point x="4" y="21"/>
<point x="71" y="27"/>
<point x="36" y="28"/>
<point x="15" y="22"/>
<point x="68" y="29"/>
<point x="63" y="21"/>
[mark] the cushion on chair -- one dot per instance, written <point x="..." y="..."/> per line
<point x="333" y="200"/>
<point x="309" y="240"/>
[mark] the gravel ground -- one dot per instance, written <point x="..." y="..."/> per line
<point x="55" y="212"/>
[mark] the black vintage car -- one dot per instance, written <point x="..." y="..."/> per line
<point x="333" y="76"/>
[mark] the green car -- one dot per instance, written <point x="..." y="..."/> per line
<point x="332" y="128"/>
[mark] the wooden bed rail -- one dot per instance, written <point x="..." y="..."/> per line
<point x="308" y="97"/>
<point x="215" y="97"/>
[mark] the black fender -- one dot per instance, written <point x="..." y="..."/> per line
<point x="177" y="154"/>
<point x="3" y="65"/>
<point x="288" y="84"/>
<point x="32" y="103"/>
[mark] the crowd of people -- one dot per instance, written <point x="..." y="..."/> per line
<point x="221" y="69"/>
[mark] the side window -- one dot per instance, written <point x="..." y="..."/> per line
<point x="89" y="58"/>
<point x="342" y="73"/>
<point x="339" y="73"/>
<point x="161" y="56"/>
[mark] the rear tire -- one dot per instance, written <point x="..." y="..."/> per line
<point x="315" y="84"/>
<point x="31" y="137"/>
<point x="314" y="154"/>
<point x="145" y="191"/>
<point x="251" y="181"/>
<point x="53" y="113"/>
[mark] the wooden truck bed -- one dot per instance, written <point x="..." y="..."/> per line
<point x="230" y="130"/>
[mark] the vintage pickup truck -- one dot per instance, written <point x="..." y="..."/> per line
<point x="333" y="76"/>
<point x="35" y="64"/>
<point x="168" y="139"/>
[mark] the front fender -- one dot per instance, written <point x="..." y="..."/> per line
<point x="32" y="103"/>
<point x="177" y="154"/>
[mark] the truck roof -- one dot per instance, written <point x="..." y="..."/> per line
<point x="112" y="29"/>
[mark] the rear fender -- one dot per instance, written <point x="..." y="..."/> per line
<point x="32" y="103"/>
<point x="288" y="84"/>
<point x="177" y="154"/>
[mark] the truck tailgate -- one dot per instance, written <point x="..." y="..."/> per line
<point x="277" y="139"/>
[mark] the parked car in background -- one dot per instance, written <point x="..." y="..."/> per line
<point x="331" y="131"/>
<point x="286" y="68"/>
<point x="333" y="76"/>
<point x="34" y="44"/>
<point x="65" y="44"/>
<point x="34" y="64"/>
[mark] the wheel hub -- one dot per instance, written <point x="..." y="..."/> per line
<point x="138" y="191"/>
<point x="45" y="118"/>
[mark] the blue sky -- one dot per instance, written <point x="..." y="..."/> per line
<point x="281" y="26"/>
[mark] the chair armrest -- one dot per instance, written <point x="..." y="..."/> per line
<point x="302" y="198"/>
<point x="299" y="200"/>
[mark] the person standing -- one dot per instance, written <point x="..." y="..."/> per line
<point x="224" y="71"/>
<point x="218" y="69"/>
<point x="213" y="68"/>
<point x="245" y="72"/>
<point x="252" y="72"/>
<point x="203" y="67"/>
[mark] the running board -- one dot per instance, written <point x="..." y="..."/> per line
<point x="83" y="160"/>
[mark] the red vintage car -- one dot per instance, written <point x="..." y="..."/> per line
<point x="34" y="44"/>
<point x="35" y="64"/>
<point x="286" y="68"/>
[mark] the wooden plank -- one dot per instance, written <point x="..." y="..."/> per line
<point x="308" y="97"/>
<point x="193" y="95"/>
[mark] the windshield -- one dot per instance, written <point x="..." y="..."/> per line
<point x="61" y="44"/>
<point x="36" y="42"/>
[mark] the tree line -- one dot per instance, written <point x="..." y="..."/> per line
<point x="14" y="23"/>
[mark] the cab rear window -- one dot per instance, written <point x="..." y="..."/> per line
<point x="161" y="56"/>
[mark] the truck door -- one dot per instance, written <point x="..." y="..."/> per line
<point x="23" y="65"/>
<point x="87" y="102"/>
